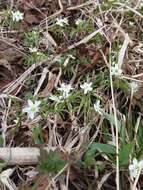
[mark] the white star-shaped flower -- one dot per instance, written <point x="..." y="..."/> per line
<point x="56" y="99"/>
<point x="32" y="108"/>
<point x="87" y="87"/>
<point x="65" y="89"/>
<point x="79" y="21"/>
<point x="97" y="107"/>
<point x="71" y="56"/>
<point x="115" y="70"/>
<point x="33" y="50"/>
<point x="16" y="121"/>
<point x="134" y="86"/>
<point x="135" y="168"/>
<point x="62" y="21"/>
<point x="17" y="16"/>
<point x="68" y="59"/>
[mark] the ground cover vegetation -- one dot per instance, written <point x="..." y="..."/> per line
<point x="71" y="94"/>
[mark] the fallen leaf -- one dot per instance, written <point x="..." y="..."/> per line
<point x="33" y="17"/>
<point x="10" y="54"/>
<point x="6" y="64"/>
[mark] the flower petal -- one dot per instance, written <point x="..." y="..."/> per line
<point x="37" y="103"/>
<point x="26" y="110"/>
<point x="131" y="167"/>
<point x="141" y="164"/>
<point x="135" y="162"/>
<point x="31" y="115"/>
<point x="30" y="103"/>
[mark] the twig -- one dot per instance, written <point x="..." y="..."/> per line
<point x="136" y="180"/>
<point x="116" y="126"/>
<point x="81" y="5"/>
<point x="123" y="50"/>
<point x="86" y="39"/>
<point x="20" y="156"/>
<point x="41" y="80"/>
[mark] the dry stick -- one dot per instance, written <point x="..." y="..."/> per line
<point x="86" y="39"/>
<point x="123" y="50"/>
<point x="81" y="5"/>
<point x="136" y="180"/>
<point x="104" y="178"/>
<point x="130" y="78"/>
<point x="41" y="80"/>
<point x="138" y="75"/>
<point x="130" y="104"/>
<point x="20" y="156"/>
<point x="116" y="126"/>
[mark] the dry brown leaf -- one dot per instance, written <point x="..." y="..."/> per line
<point x="33" y="17"/>
<point x="6" y="74"/>
<point x="28" y="4"/>
<point x="6" y="64"/>
<point x="6" y="42"/>
<point x="10" y="54"/>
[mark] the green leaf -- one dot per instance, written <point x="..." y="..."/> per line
<point x="37" y="135"/>
<point x="105" y="148"/>
<point x="122" y="85"/>
<point x="111" y="119"/>
<point x="1" y="141"/>
<point x="125" y="153"/>
<point x="98" y="147"/>
<point x="89" y="158"/>
<point x="50" y="162"/>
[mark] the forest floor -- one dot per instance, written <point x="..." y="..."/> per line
<point x="71" y="94"/>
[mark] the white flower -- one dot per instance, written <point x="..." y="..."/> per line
<point x="115" y="70"/>
<point x="17" y="16"/>
<point x="67" y="59"/>
<point x="5" y="179"/>
<point x="65" y="89"/>
<point x="131" y="23"/>
<point x="134" y="86"/>
<point x="62" y="21"/>
<point x="79" y="21"/>
<point x="97" y="107"/>
<point x="135" y="168"/>
<point x="56" y="99"/>
<point x="16" y="121"/>
<point x="86" y="87"/>
<point x="71" y="56"/>
<point x="32" y="108"/>
<point x="33" y="50"/>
